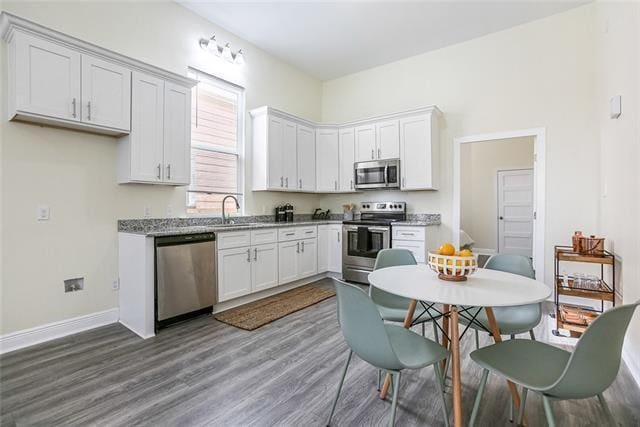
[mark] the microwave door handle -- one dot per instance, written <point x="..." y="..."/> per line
<point x="386" y="175"/>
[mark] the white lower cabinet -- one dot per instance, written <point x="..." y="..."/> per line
<point x="330" y="248"/>
<point x="308" y="263"/>
<point x="264" y="266"/>
<point x="288" y="261"/>
<point x="234" y="273"/>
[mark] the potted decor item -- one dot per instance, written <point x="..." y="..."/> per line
<point x="348" y="211"/>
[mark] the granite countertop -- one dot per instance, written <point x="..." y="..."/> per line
<point x="159" y="227"/>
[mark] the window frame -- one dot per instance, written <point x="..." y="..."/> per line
<point x="240" y="132"/>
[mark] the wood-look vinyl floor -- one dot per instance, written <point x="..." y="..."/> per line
<point x="204" y="372"/>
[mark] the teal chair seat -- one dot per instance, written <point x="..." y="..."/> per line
<point x="413" y="350"/>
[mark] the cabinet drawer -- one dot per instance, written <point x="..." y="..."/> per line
<point x="417" y="248"/>
<point x="259" y="237"/>
<point x="234" y="239"/>
<point x="408" y="233"/>
<point x="297" y="233"/>
<point x="309" y="232"/>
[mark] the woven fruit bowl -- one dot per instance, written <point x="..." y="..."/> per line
<point x="452" y="268"/>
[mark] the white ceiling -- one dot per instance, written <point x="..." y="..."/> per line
<point x="332" y="39"/>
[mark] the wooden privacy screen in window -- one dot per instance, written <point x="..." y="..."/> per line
<point x="214" y="147"/>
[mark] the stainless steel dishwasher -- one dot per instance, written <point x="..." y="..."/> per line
<point x="186" y="283"/>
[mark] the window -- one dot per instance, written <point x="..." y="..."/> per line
<point x="217" y="129"/>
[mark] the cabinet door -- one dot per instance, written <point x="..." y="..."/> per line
<point x="264" y="266"/>
<point x="47" y="78"/>
<point x="275" y="157"/>
<point x="306" y="149"/>
<point x="234" y="273"/>
<point x="327" y="160"/>
<point x="177" y="134"/>
<point x="416" y="247"/>
<point x="323" y="248"/>
<point x="416" y="164"/>
<point x="106" y="93"/>
<point x="289" y="156"/>
<point x="365" y="143"/>
<point x="335" y="248"/>
<point x="288" y="258"/>
<point x="347" y="147"/>
<point x="388" y="140"/>
<point x="147" y="128"/>
<point x="308" y="264"/>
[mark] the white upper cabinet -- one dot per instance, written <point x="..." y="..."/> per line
<point x="289" y="155"/>
<point x="327" y="155"/>
<point x="274" y="145"/>
<point x="106" y="94"/>
<point x="387" y="140"/>
<point x="177" y="134"/>
<point x="365" y="137"/>
<point x="347" y="147"/>
<point x="419" y="152"/>
<point x="46" y="79"/>
<point x="306" y="150"/>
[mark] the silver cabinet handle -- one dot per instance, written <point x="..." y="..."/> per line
<point x="408" y="234"/>
<point x="74" y="108"/>
<point x="89" y="110"/>
<point x="249" y="255"/>
<point x="372" y="155"/>
<point x="308" y="232"/>
<point x="379" y="153"/>
<point x="300" y="182"/>
<point x="255" y="254"/>
<point x="289" y="234"/>
<point x="286" y="182"/>
<point x="281" y="181"/>
<point x="302" y="246"/>
<point x="169" y="171"/>
<point x="403" y="181"/>
<point x="338" y="236"/>
<point x="159" y="170"/>
<point x="298" y="247"/>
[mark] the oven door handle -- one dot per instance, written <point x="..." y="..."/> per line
<point x="370" y="228"/>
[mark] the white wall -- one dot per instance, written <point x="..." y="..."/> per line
<point x="617" y="29"/>
<point x="74" y="172"/>
<point x="535" y="75"/>
<point x="479" y="165"/>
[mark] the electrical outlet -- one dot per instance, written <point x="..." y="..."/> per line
<point x="147" y="212"/>
<point x="42" y="213"/>
<point x="115" y="285"/>
<point x="169" y="211"/>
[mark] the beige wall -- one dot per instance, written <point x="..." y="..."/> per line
<point x="479" y="164"/>
<point x="617" y="29"/>
<point x="75" y="173"/>
<point x="535" y="75"/>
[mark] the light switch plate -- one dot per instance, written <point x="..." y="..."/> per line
<point x="615" y="107"/>
<point x="42" y="213"/>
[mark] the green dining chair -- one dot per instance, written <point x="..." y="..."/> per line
<point x="385" y="346"/>
<point x="393" y="308"/>
<point x="511" y="320"/>
<point x="558" y="374"/>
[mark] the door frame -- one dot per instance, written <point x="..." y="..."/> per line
<point x="498" y="201"/>
<point x="539" y="137"/>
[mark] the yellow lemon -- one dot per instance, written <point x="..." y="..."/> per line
<point x="447" y="249"/>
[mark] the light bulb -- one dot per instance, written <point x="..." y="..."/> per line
<point x="213" y="46"/>
<point x="226" y="52"/>
<point x="239" y="57"/>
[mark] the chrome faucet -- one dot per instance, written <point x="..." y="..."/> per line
<point x="224" y="218"/>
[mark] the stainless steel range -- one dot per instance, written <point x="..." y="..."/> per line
<point x="364" y="238"/>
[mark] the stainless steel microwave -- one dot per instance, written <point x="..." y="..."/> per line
<point x="377" y="174"/>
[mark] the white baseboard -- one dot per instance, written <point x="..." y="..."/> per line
<point x="633" y="365"/>
<point x="40" y="334"/>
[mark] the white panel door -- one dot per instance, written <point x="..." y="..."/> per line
<point x="288" y="259"/>
<point x="275" y="157"/>
<point x="515" y="212"/>
<point x="147" y="128"/>
<point x="289" y="155"/>
<point x="323" y="248"/>
<point x="365" y="137"/>
<point x="177" y="134"/>
<point x="335" y="248"/>
<point x="328" y="160"/>
<point x="308" y="265"/>
<point x="306" y="144"/>
<point x="234" y="273"/>
<point x="415" y="153"/>
<point x="106" y="93"/>
<point x="388" y="140"/>
<point x="47" y="78"/>
<point x="264" y="266"/>
<point x="347" y="156"/>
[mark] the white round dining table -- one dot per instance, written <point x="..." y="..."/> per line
<point x="485" y="288"/>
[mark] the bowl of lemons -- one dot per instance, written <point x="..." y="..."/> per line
<point x="452" y="265"/>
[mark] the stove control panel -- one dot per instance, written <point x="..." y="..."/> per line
<point x="383" y="207"/>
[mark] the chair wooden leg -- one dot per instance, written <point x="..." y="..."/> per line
<point x="394" y="402"/>
<point x="548" y="411"/>
<point x="606" y="409"/>
<point x="440" y="382"/>
<point x="335" y="401"/>
<point x="532" y="335"/>
<point x="476" y="404"/>
<point x="522" y="404"/>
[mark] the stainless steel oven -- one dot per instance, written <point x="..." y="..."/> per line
<point x="377" y="174"/>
